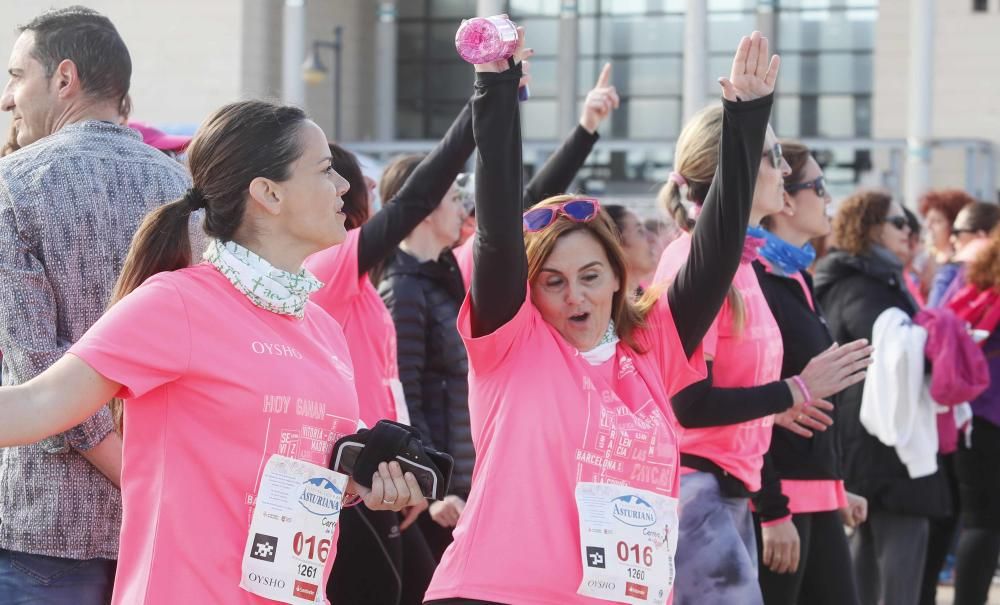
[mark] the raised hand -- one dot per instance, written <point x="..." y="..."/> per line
<point x="754" y="71"/>
<point x="600" y="102"/>
<point x="520" y="54"/>
<point x="837" y="368"/>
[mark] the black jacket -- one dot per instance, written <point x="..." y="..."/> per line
<point x="423" y="299"/>
<point x="804" y="334"/>
<point x="854" y="291"/>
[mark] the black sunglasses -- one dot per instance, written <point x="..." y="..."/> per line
<point x="775" y="155"/>
<point x="818" y="184"/>
<point x="899" y="222"/>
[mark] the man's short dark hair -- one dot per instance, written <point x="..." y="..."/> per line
<point x="91" y="42"/>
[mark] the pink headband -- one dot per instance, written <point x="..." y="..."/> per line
<point x="678" y="179"/>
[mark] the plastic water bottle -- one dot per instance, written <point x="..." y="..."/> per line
<point x="487" y="39"/>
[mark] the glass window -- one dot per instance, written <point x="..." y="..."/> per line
<point x="442" y="114"/>
<point x="411" y="43"/>
<point x="648" y="119"/>
<point x="541" y="34"/>
<point x="836" y="116"/>
<point x="409" y="120"/>
<point x="544" y="77"/>
<point x="452" y="81"/>
<point x="658" y="34"/>
<point x="826" y="73"/>
<point x="726" y="29"/>
<point x="786" y="115"/>
<point x="461" y="9"/>
<point x="540" y="119"/>
<point x="841" y="30"/>
<point x="534" y="7"/>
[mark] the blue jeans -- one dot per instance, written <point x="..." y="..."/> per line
<point x="39" y="580"/>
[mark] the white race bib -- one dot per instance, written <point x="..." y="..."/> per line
<point x="628" y="537"/>
<point x="399" y="398"/>
<point x="292" y="531"/>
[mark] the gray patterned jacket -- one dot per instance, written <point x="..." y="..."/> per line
<point x="69" y="205"/>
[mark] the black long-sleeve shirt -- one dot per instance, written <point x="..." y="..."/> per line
<point x="500" y="279"/>
<point x="419" y="196"/>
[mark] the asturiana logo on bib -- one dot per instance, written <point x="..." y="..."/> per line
<point x="321" y="497"/>
<point x="633" y="510"/>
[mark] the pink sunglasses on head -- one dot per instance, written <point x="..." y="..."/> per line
<point x="580" y="210"/>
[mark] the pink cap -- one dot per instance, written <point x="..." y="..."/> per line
<point x="159" y="139"/>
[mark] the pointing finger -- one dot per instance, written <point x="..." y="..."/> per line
<point x="605" y="78"/>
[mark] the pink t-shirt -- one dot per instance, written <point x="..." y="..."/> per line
<point x="214" y="386"/>
<point x="544" y="419"/>
<point x="464" y="257"/>
<point x="352" y="300"/>
<point x="741" y="359"/>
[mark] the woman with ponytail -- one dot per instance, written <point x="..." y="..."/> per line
<point x="729" y="414"/>
<point x="236" y="386"/>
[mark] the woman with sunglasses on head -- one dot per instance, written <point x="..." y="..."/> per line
<point x="969" y="234"/>
<point x="804" y="553"/>
<point x="728" y="415"/>
<point x="855" y="284"/>
<point x="570" y="381"/>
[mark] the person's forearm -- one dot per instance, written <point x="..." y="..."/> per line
<point x="106" y="457"/>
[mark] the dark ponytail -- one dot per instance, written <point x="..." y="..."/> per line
<point x="238" y="143"/>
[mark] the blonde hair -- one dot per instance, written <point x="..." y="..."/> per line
<point x="627" y="315"/>
<point x="696" y="158"/>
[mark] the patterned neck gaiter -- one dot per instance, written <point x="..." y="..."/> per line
<point x="266" y="286"/>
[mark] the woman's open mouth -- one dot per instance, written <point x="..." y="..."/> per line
<point x="579" y="317"/>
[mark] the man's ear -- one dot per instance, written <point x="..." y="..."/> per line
<point x="66" y="79"/>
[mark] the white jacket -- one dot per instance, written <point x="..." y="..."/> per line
<point x="896" y="406"/>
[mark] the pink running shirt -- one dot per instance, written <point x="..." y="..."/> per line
<point x="747" y="359"/>
<point x="352" y="300"/>
<point x="544" y="419"/>
<point x="214" y="386"/>
<point x="463" y="255"/>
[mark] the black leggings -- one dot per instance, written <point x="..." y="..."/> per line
<point x="941" y="536"/>
<point x="978" y="550"/>
<point x="825" y="573"/>
<point x="377" y="564"/>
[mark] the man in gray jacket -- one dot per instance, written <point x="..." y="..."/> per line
<point x="70" y="200"/>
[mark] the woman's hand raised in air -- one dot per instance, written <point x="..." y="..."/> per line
<point x="754" y="71"/>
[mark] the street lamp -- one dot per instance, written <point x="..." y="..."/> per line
<point x="314" y="72"/>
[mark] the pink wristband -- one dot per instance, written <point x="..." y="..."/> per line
<point x="802" y="387"/>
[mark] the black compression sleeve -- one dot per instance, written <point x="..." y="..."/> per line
<point x="499" y="277"/>
<point x="697" y="293"/>
<point x="558" y="172"/>
<point x="771" y="504"/>
<point x="702" y="405"/>
<point x="419" y="196"/>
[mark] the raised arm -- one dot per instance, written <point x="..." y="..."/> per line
<point x="419" y="196"/>
<point x="700" y="288"/>
<point x="558" y="172"/>
<point x="499" y="282"/>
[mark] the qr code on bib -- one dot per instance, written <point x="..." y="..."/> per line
<point x="264" y="547"/>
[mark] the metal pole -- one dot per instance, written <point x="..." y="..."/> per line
<point x="567" y="61"/>
<point x="293" y="51"/>
<point x="921" y="91"/>
<point x="385" y="71"/>
<point x="695" y="57"/>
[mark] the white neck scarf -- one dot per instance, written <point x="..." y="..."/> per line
<point x="605" y="349"/>
<point x="266" y="286"/>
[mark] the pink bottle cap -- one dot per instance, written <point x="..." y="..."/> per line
<point x="486" y="39"/>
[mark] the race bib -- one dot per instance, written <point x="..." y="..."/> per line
<point x="292" y="531"/>
<point x="628" y="537"/>
<point x="399" y="399"/>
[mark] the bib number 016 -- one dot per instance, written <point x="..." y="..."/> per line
<point x="313" y="550"/>
<point x="629" y="554"/>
